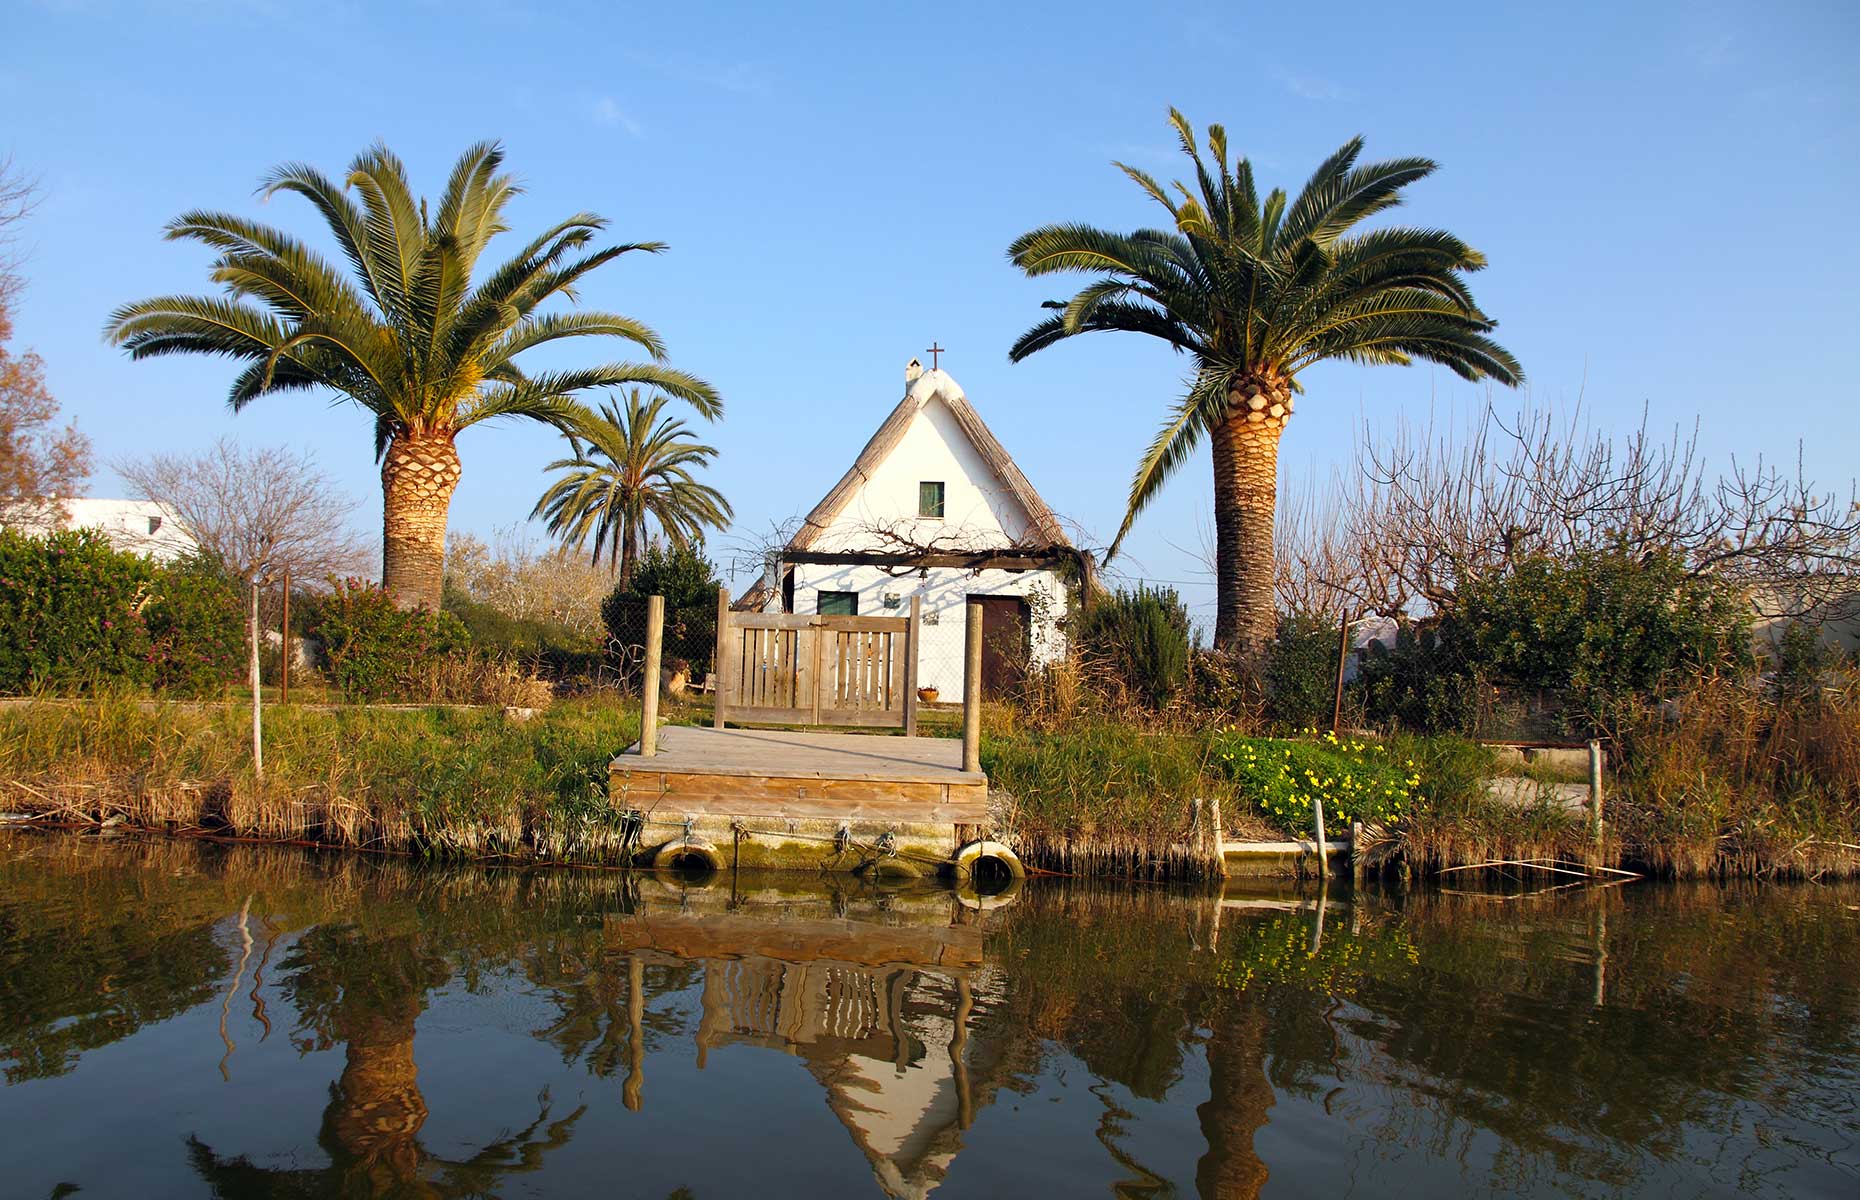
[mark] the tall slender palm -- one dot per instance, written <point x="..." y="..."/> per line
<point x="637" y="465"/>
<point x="1255" y="291"/>
<point x="406" y="334"/>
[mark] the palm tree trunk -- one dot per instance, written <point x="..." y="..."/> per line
<point x="1238" y="1096"/>
<point x="418" y="475"/>
<point x="1246" y="484"/>
<point x="371" y="1126"/>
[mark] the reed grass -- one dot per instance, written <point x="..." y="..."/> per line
<point x="442" y="782"/>
<point x="1722" y="782"/>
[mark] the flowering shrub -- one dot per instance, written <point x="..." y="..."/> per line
<point x="74" y="611"/>
<point x="1358" y="780"/>
<point x="374" y="649"/>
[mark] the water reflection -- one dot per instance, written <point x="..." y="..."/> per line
<point x="278" y="1024"/>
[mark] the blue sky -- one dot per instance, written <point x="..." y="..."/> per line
<point x="1664" y="191"/>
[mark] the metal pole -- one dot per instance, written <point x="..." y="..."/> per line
<point x="1343" y="658"/>
<point x="284" y="628"/>
<point x="649" y="708"/>
<point x="258" y="741"/>
<point x="972" y="689"/>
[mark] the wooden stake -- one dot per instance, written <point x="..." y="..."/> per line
<point x="972" y="689"/>
<point x="1220" y="849"/>
<point x="1595" y="792"/>
<point x="721" y="666"/>
<point x="258" y="741"/>
<point x="1323" y="850"/>
<point x="655" y="648"/>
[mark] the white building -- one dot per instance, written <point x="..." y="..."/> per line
<point x="137" y="526"/>
<point x="934" y="507"/>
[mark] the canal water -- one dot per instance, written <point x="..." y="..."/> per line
<point x="179" y="1019"/>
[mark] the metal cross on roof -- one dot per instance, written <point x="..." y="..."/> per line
<point x="933" y="351"/>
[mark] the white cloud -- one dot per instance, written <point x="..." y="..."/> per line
<point x="607" y="111"/>
<point x="1310" y="87"/>
<point x="741" y="78"/>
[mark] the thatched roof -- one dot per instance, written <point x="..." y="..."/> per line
<point x="931" y="384"/>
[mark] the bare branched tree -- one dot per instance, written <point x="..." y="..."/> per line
<point x="19" y="195"/>
<point x="511" y="575"/>
<point x="1448" y="509"/>
<point x="1331" y="564"/>
<point x="39" y="462"/>
<point x="257" y="510"/>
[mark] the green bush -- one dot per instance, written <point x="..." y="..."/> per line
<point x="75" y="611"/>
<point x="373" y="648"/>
<point x="1600" y="627"/>
<point x="197" y="626"/>
<point x="1422" y="683"/>
<point x="1358" y="780"/>
<point x="1301" y="671"/>
<point x="689" y="583"/>
<point x="1142" y="637"/>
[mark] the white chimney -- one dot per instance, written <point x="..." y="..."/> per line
<point x="912" y="370"/>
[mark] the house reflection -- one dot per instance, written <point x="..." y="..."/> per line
<point x="887" y="1011"/>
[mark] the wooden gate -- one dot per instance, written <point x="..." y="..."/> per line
<point x="808" y="669"/>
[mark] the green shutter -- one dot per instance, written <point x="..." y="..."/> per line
<point x="930" y="500"/>
<point x="837" y="604"/>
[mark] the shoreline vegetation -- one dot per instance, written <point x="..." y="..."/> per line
<point x="1102" y="797"/>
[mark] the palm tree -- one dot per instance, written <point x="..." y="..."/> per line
<point x="637" y="465"/>
<point x="405" y="334"/>
<point x="1256" y="291"/>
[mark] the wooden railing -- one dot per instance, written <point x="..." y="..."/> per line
<point x="810" y="669"/>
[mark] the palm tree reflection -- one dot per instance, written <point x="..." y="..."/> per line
<point x="367" y="993"/>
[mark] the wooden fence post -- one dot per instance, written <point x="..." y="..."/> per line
<point x="258" y="741"/>
<point x="911" y="644"/>
<point x="718" y="664"/>
<point x="655" y="649"/>
<point x="972" y="689"/>
<point x="1322" y="847"/>
<point x="1595" y="793"/>
<point x="1220" y="852"/>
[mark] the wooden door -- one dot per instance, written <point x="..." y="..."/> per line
<point x="1007" y="642"/>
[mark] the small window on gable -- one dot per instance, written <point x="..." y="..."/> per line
<point x="154" y="524"/>
<point x="837" y="604"/>
<point x="930" y="500"/>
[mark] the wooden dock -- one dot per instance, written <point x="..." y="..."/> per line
<point x="782" y="774"/>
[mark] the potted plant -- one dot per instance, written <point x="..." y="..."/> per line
<point x="928" y="695"/>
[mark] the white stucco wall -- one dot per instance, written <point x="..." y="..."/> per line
<point x="945" y="592"/>
<point x="125" y="523"/>
<point x="978" y="510"/>
<point x="980" y="513"/>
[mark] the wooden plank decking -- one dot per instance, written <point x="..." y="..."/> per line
<point x="780" y="773"/>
